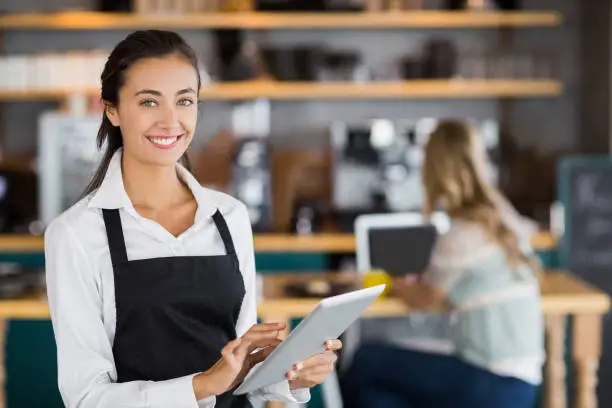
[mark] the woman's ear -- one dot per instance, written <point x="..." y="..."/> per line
<point x="112" y="114"/>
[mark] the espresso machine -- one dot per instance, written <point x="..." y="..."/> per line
<point x="377" y="167"/>
<point x="251" y="174"/>
<point x="357" y="157"/>
<point x="251" y="180"/>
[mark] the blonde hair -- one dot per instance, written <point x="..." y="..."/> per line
<point x="454" y="177"/>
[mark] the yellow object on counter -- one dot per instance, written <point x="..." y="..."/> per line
<point x="378" y="277"/>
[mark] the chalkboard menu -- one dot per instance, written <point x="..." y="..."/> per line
<point x="585" y="190"/>
<point x="585" y="187"/>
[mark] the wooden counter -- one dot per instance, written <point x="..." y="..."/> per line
<point x="563" y="295"/>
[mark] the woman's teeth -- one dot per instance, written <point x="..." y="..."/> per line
<point x="164" y="141"/>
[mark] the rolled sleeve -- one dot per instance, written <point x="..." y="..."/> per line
<point x="177" y="392"/>
<point x="281" y="392"/>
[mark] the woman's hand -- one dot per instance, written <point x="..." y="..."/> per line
<point x="404" y="287"/>
<point x="237" y="359"/>
<point x="418" y="295"/>
<point x="314" y="370"/>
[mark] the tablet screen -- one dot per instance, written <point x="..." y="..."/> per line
<point x="329" y="319"/>
<point x="401" y="250"/>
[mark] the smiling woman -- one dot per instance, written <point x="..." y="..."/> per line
<point x="151" y="277"/>
<point x="149" y="115"/>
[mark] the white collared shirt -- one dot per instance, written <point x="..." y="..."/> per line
<point x="80" y="290"/>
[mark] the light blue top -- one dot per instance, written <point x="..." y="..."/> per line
<point x="498" y="322"/>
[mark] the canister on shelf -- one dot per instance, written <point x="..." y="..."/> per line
<point x="3" y="72"/>
<point x="405" y="5"/>
<point x="210" y="5"/>
<point x="143" y="6"/>
<point x="166" y="6"/>
<point x="375" y="5"/>
<point x="236" y="5"/>
<point x="17" y="72"/>
<point x="395" y="4"/>
<point x="180" y="6"/>
<point x="192" y="6"/>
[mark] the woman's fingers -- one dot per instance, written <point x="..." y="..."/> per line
<point x="263" y="335"/>
<point x="228" y="353"/>
<point x="255" y="340"/>
<point x="314" y="369"/>
<point x="333" y="345"/>
<point x="313" y="373"/>
<point x="268" y="327"/>
<point x="231" y="346"/>
<point x="322" y="359"/>
<point x="261" y="355"/>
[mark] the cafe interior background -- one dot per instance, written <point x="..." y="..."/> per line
<point x="311" y="119"/>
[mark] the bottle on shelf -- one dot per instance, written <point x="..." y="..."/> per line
<point x="236" y="5"/>
<point x="375" y="5"/>
<point x="393" y="5"/>
<point x="142" y="6"/>
<point x="399" y="5"/>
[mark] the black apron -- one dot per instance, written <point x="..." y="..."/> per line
<point x="174" y="314"/>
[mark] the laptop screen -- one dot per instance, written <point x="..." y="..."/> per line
<point x="401" y="250"/>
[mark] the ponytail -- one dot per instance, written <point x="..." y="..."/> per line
<point x="112" y="134"/>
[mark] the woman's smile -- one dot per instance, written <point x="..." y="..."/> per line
<point x="165" y="142"/>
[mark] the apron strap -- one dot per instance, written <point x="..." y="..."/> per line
<point x="114" y="232"/>
<point x="224" y="232"/>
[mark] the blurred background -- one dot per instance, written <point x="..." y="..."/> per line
<point x="312" y="113"/>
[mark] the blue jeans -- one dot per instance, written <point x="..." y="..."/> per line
<point x="387" y="377"/>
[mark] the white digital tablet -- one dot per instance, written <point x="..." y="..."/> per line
<point x="329" y="319"/>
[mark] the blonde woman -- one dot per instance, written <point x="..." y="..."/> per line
<point x="483" y="273"/>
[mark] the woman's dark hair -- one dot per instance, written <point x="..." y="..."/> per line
<point x="136" y="46"/>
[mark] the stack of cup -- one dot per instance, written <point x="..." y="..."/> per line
<point x="175" y="6"/>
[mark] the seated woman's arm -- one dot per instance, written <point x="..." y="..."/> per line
<point x="459" y="249"/>
<point x="419" y="295"/>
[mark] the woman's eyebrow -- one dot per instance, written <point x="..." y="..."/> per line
<point x="158" y="93"/>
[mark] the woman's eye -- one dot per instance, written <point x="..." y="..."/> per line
<point x="186" y="102"/>
<point x="149" y="103"/>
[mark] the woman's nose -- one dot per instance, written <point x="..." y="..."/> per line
<point x="169" y="118"/>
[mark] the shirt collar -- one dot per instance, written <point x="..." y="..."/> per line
<point x="112" y="195"/>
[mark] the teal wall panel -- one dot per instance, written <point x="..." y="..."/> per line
<point x="31" y="365"/>
<point x="295" y="262"/>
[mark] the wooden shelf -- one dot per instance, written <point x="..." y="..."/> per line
<point x="21" y="244"/>
<point x="36" y="94"/>
<point x="257" y="20"/>
<point x="328" y="242"/>
<point x="383" y="90"/>
<point x="332" y="243"/>
<point x="417" y="89"/>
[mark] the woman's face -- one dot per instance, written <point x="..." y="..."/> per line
<point x="157" y="109"/>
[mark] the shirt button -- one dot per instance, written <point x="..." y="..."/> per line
<point x="178" y="250"/>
